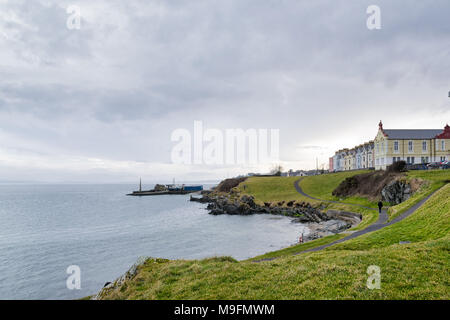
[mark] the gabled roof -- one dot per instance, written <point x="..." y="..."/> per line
<point x="445" y="134"/>
<point x="412" y="133"/>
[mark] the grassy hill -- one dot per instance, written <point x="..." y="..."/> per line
<point x="273" y="189"/>
<point x="434" y="180"/>
<point x="416" y="270"/>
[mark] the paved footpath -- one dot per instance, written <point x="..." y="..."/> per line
<point x="379" y="224"/>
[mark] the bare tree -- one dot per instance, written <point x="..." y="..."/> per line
<point x="276" y="170"/>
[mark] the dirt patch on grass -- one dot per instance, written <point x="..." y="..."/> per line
<point x="228" y="184"/>
<point x="416" y="183"/>
<point x="367" y="184"/>
<point x="370" y="184"/>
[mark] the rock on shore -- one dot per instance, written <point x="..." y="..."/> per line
<point x="110" y="286"/>
<point x="245" y="205"/>
<point x="320" y="223"/>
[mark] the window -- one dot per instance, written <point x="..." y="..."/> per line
<point x="410" y="146"/>
<point x="396" y="146"/>
<point x="442" y="159"/>
<point x="412" y="160"/>
<point x="424" y="159"/>
<point x="443" y="145"/>
<point x="424" y="145"/>
<point x="408" y="160"/>
<point x="393" y="159"/>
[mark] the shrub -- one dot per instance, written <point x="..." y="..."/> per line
<point x="398" y="166"/>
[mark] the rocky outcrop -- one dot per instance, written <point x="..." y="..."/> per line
<point x="320" y="223"/>
<point x="349" y="217"/>
<point x="246" y="205"/>
<point x="204" y="199"/>
<point x="130" y="274"/>
<point x="337" y="222"/>
<point x="109" y="286"/>
<point x="367" y="184"/>
<point x="326" y="228"/>
<point x="303" y="212"/>
<point x="396" y="192"/>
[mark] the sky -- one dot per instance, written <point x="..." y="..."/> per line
<point x="100" y="103"/>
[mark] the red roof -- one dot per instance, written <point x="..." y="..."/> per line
<point x="445" y="134"/>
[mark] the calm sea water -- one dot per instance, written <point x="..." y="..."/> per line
<point x="46" y="228"/>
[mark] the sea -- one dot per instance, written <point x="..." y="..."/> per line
<point x="47" y="228"/>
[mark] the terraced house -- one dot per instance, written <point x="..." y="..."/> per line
<point x="411" y="145"/>
<point x="359" y="157"/>
<point x="391" y="145"/>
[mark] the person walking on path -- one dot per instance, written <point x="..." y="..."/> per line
<point x="380" y="205"/>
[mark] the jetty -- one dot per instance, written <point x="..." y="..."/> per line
<point x="162" y="189"/>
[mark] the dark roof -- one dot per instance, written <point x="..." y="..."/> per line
<point x="412" y="133"/>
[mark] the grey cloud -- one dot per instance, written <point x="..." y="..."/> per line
<point x="139" y="69"/>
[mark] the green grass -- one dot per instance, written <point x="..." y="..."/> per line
<point x="435" y="179"/>
<point x="418" y="270"/>
<point x="322" y="186"/>
<point x="299" y="247"/>
<point x="271" y="189"/>
<point x="415" y="271"/>
<point x="441" y="176"/>
<point x="274" y="189"/>
<point x="429" y="222"/>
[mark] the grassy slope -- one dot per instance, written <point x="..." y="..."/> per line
<point x="430" y="222"/>
<point x="273" y="189"/>
<point x="381" y="238"/>
<point x="419" y="270"/>
<point x="434" y="180"/>
<point x="282" y="188"/>
<point x="323" y="185"/>
<point x="298" y="247"/>
<point x="270" y="189"/>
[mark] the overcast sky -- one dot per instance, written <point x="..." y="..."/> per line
<point x="99" y="104"/>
